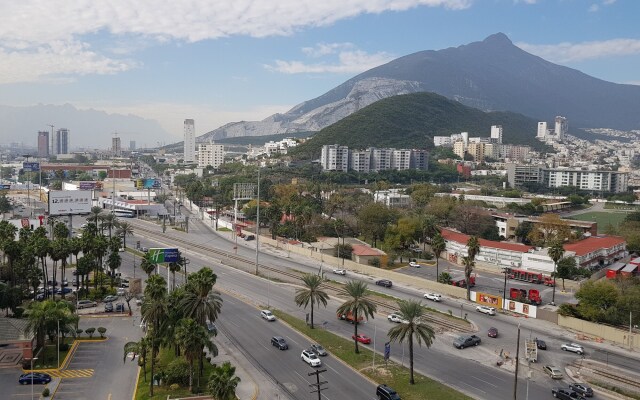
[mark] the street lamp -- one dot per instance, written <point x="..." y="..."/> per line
<point x="28" y="182"/>
<point x="32" y="358"/>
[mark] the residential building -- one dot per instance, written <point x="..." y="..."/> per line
<point x="392" y="198"/>
<point x="334" y="158"/>
<point x="562" y="127"/>
<point x="542" y="130"/>
<point x="400" y="159"/>
<point x="476" y="150"/>
<point x="43" y="144"/>
<point x="381" y="159"/>
<point x="459" y="149"/>
<point x="189" y="141"/>
<point x="116" y="147"/>
<point x="600" y="181"/>
<point x="210" y="154"/>
<point x="522" y="174"/>
<point x="340" y="158"/>
<point x="61" y="142"/>
<point x="419" y="159"/>
<point x="442" y="141"/>
<point x="514" y="152"/>
<point x="496" y="134"/>
<point x="360" y="160"/>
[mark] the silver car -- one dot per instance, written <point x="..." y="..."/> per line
<point x="573" y="347"/>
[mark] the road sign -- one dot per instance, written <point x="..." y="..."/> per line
<point x="31" y="166"/>
<point x="164" y="255"/>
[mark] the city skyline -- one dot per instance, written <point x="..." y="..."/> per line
<point x="220" y="64"/>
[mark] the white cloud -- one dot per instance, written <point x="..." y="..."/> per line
<point x="323" y="49"/>
<point x="526" y="1"/>
<point x="570" y="52"/>
<point x="594" y="8"/>
<point x="348" y="62"/>
<point x="36" y="23"/>
<point x="608" y="2"/>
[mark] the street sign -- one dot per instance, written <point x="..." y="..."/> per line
<point x="30" y="166"/>
<point x="164" y="255"/>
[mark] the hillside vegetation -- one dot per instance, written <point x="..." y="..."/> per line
<point x="411" y="121"/>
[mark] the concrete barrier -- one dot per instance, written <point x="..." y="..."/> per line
<point x="599" y="332"/>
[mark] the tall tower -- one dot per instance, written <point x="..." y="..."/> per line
<point x="562" y="127"/>
<point x="61" y="142"/>
<point x="496" y="133"/>
<point x="43" y="144"/>
<point x="189" y="141"/>
<point x="542" y="130"/>
<point x="116" y="147"/>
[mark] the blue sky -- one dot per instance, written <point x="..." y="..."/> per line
<point x="223" y="61"/>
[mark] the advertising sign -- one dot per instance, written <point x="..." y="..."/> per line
<point x="87" y="185"/>
<point x="489" y="300"/>
<point x="5" y="186"/>
<point x="66" y="202"/>
<point x="148" y="183"/>
<point x="31" y="166"/>
<point x="164" y="255"/>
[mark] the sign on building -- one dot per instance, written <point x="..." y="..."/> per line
<point x="69" y="202"/>
<point x="164" y="255"/>
<point x="30" y="166"/>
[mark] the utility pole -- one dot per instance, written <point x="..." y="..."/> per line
<point x="515" y="384"/>
<point x="318" y="385"/>
<point x="258" y="222"/>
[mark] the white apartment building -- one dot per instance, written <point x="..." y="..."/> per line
<point x="562" y="127"/>
<point x="442" y="141"/>
<point x="189" y="141"/>
<point x="361" y="160"/>
<point x="603" y="181"/>
<point x="279" y="147"/>
<point x="381" y="159"/>
<point x="392" y="198"/>
<point x="401" y="159"/>
<point x="334" y="158"/>
<point x="210" y="154"/>
<point x="496" y="134"/>
<point x="542" y="130"/>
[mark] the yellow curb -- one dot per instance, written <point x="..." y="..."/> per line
<point x="56" y="391"/>
<point x="135" y="388"/>
<point x="103" y="315"/>
<point x="92" y="340"/>
<point x="70" y="353"/>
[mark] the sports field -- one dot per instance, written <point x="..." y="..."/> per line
<point x="602" y="218"/>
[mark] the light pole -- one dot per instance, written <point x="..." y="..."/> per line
<point x="28" y="181"/>
<point x="58" y="336"/>
<point x="32" y="358"/>
<point x="258" y="222"/>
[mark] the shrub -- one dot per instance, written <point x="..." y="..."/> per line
<point x="174" y="386"/>
<point x="79" y="332"/>
<point x="177" y="371"/>
<point x="46" y="392"/>
<point x="18" y="312"/>
<point x="101" y="331"/>
<point x="90" y="331"/>
<point x="64" y="346"/>
<point x="375" y="262"/>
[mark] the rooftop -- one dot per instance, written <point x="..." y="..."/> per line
<point x="462" y="238"/>
<point x="593" y="243"/>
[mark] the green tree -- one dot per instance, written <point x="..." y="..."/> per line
<point x="597" y="301"/>
<point x="223" y="382"/>
<point x="124" y="229"/>
<point x="154" y="312"/>
<point x="311" y="293"/>
<point x="94" y="214"/>
<point x="191" y="338"/>
<point x="358" y="304"/>
<point x="412" y="311"/>
<point x="139" y="348"/>
<point x="445" y="278"/>
<point x="468" y="269"/>
<point x="566" y="269"/>
<point x="147" y="264"/>
<point x="555" y="252"/>
<point x="438" y="245"/>
<point x="373" y="220"/>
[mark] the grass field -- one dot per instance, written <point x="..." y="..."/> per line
<point x="602" y="218"/>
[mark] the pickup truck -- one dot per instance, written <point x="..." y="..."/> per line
<point x="466" y="341"/>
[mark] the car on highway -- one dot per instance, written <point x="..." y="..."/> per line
<point x="541" y="344"/>
<point x="486" y="310"/>
<point x="268" y="315"/>
<point x="33" y="378"/>
<point x="573" y="347"/>
<point x="465" y="341"/>
<point x="433" y="296"/>
<point x="582" y="389"/>
<point x="340" y="271"/>
<point x="492" y="332"/>
<point x="397" y="318"/>
<point x="108" y="307"/>
<point x="384" y="282"/>
<point x="318" y="349"/>
<point x="279" y="342"/>
<point x="310" y="358"/>
<point x="249" y="237"/>
<point x="110" y="299"/>
<point x="566" y="394"/>
<point x="86" y="304"/>
<point x="553" y="371"/>
<point x="384" y="392"/>
<point x="364" y="339"/>
<point x="414" y="264"/>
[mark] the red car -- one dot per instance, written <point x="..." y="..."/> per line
<point x="362" y="338"/>
<point x="493" y="332"/>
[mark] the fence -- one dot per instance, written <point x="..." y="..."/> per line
<point x="599" y="332"/>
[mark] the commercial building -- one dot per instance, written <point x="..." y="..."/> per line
<point x="116" y="147"/>
<point x="61" y="142"/>
<point x="43" y="144"/>
<point x="189" y="141"/>
<point x="210" y="154"/>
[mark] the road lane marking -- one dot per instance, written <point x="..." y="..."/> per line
<point x="289" y="337"/>
<point x="478" y="389"/>
<point x="482" y="380"/>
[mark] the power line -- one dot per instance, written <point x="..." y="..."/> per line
<point x="318" y="385"/>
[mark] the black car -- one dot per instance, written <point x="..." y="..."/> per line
<point x="384" y="392"/>
<point x="384" y="282"/>
<point x="108" y="307"/>
<point x="212" y="328"/>
<point x="566" y="394"/>
<point x="541" y="344"/>
<point x="119" y="307"/>
<point x="279" y="342"/>
<point x="582" y="389"/>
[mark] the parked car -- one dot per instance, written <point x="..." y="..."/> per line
<point x="64" y="290"/>
<point x="110" y="299"/>
<point x="318" y="349"/>
<point x="119" y="307"/>
<point x="466" y="341"/>
<point x="33" y="378"/>
<point x="212" y="328"/>
<point x="249" y="237"/>
<point x="121" y="291"/>
<point x="64" y="283"/>
<point x="384" y="392"/>
<point x="573" y="347"/>
<point x="582" y="389"/>
<point x="108" y="307"/>
<point x="396" y="318"/>
<point x="268" y="315"/>
<point x="279" y="342"/>
<point x="340" y="271"/>
<point x="493" y="332"/>
<point x="433" y="296"/>
<point x="86" y="304"/>
<point x="364" y="339"/>
<point x="384" y="282"/>
<point x="486" y="310"/>
<point x="414" y="264"/>
<point x="310" y="358"/>
<point x="541" y="344"/>
<point x="553" y="371"/>
<point x="566" y="394"/>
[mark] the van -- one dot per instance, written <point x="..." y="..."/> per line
<point x="384" y="392"/>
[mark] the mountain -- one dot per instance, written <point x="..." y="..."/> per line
<point x="87" y="128"/>
<point x="411" y="121"/>
<point x="491" y="75"/>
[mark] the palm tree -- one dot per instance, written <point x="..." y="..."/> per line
<point x="311" y="293"/>
<point x="124" y="229"/>
<point x="412" y="311"/>
<point x="174" y="267"/>
<point x="555" y="252"/>
<point x="139" y="348"/>
<point x="438" y="245"/>
<point x="94" y="214"/>
<point x="147" y="265"/>
<point x="468" y="269"/>
<point x="223" y="382"/>
<point x="200" y="301"/>
<point x="109" y="221"/>
<point x="359" y="303"/>
<point x="154" y="312"/>
<point x="191" y="338"/>
<point x="473" y="247"/>
<point x="41" y="248"/>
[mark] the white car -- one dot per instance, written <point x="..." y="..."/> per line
<point x="266" y="314"/>
<point x="573" y="347"/>
<point x="310" y="358"/>
<point x="486" y="310"/>
<point x="414" y="264"/>
<point x="433" y="296"/>
<point x="396" y="318"/>
<point x="340" y="271"/>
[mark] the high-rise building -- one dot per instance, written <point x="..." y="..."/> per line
<point x="61" y="142"/>
<point x="496" y="134"/>
<point x="132" y="145"/>
<point x="542" y="130"/>
<point x="562" y="127"/>
<point x="189" y="141"/>
<point x="116" y="147"/>
<point x="43" y="144"/>
<point x="210" y="154"/>
<point x="334" y="158"/>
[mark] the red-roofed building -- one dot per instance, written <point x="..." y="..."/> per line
<point x="362" y="254"/>
<point x="491" y="252"/>
<point x="598" y="251"/>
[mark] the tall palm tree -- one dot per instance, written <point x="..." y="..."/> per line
<point x="223" y="382"/>
<point x="94" y="214"/>
<point x="473" y="247"/>
<point x="200" y="301"/>
<point x="147" y="265"/>
<point x="139" y="348"/>
<point x="109" y="221"/>
<point x="412" y="311"/>
<point x="438" y="245"/>
<point x="192" y="338"/>
<point x="468" y="269"/>
<point x="154" y="312"/>
<point x="555" y="252"/>
<point x="358" y="303"/>
<point x="174" y="267"/>
<point x="124" y="229"/>
<point x="311" y="293"/>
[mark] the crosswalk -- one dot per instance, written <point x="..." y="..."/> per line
<point x="72" y="373"/>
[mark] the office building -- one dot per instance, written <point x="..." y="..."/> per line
<point x="116" y="147"/>
<point x="496" y="134"/>
<point x="61" y="142"/>
<point x="189" y="141"/>
<point x="334" y="158"/>
<point x="562" y="127"/>
<point x="43" y="144"/>
<point x="132" y="145"/>
<point x="210" y="154"/>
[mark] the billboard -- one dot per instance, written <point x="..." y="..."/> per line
<point x="5" y="186"/>
<point x="87" y="185"/>
<point x="66" y="202"/>
<point x="30" y="166"/>
<point x="164" y="255"/>
<point x="148" y="184"/>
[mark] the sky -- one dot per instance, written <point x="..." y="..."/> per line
<point x="231" y="60"/>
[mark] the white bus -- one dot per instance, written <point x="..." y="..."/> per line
<point x="124" y="213"/>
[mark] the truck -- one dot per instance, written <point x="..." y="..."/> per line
<point x="531" y="350"/>
<point x="548" y="281"/>
<point x="463" y="282"/>
<point x="349" y="317"/>
<point x="531" y="297"/>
